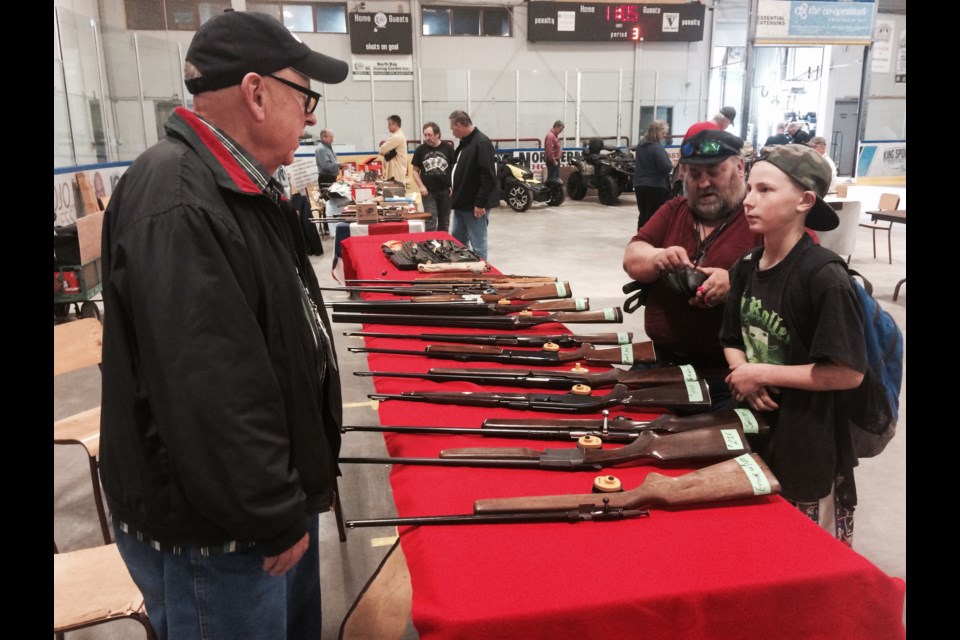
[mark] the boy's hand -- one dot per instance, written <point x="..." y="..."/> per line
<point x="714" y="289"/>
<point x="746" y="382"/>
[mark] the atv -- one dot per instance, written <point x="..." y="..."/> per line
<point x="609" y="171"/>
<point x="520" y="188"/>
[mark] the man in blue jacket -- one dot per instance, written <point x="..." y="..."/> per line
<point x="475" y="189"/>
<point x="221" y="399"/>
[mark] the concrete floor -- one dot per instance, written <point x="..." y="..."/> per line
<point x="581" y="242"/>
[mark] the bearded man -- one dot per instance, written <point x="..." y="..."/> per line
<point x="702" y="233"/>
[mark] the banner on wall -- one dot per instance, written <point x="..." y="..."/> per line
<point x="901" y="74"/>
<point x="886" y="159"/>
<point x="882" y="50"/>
<point x="801" y="22"/>
<point x="67" y="201"/>
<point x="393" y="68"/>
<point x="378" y="33"/>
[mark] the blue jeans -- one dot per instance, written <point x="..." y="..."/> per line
<point x="471" y="231"/>
<point x="553" y="172"/>
<point x="437" y="203"/>
<point x="225" y="595"/>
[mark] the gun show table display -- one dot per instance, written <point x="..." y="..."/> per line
<point x="696" y="545"/>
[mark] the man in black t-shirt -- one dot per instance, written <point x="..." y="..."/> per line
<point x="432" y="163"/>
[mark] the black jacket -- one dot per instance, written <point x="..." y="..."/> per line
<point x="221" y="399"/>
<point x="475" y="174"/>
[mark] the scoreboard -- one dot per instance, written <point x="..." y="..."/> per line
<point x="609" y="22"/>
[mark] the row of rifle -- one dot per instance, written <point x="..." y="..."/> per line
<point x="519" y="302"/>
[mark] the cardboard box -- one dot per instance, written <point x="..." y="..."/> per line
<point x="366" y="212"/>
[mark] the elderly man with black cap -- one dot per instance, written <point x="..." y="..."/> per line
<point x="221" y="399"/>
<point x="681" y="256"/>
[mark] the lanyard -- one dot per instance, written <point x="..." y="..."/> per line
<point x="704" y="244"/>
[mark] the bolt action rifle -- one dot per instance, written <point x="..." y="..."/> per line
<point x="484" y="292"/>
<point x="696" y="446"/>
<point x="461" y="307"/>
<point x="534" y="379"/>
<point x="685" y="396"/>
<point x="506" y="339"/>
<point x="619" y="429"/>
<point x="624" y="354"/>
<point x="504" y="322"/>
<point x="743" y="477"/>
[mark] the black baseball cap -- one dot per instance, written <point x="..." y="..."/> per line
<point x="229" y="46"/>
<point x="729" y="113"/>
<point x="710" y="146"/>
<point x="808" y="169"/>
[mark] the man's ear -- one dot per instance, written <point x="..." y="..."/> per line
<point x="252" y="89"/>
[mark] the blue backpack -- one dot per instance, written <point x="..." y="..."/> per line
<point x="875" y="405"/>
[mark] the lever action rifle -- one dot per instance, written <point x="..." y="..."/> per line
<point x="533" y="379"/>
<point x="746" y="476"/>
<point x="619" y="429"/>
<point x="507" y="322"/>
<point x="419" y="306"/>
<point x="484" y="292"/>
<point x="697" y="446"/>
<point x="686" y="396"/>
<point x="506" y="339"/>
<point x="624" y="354"/>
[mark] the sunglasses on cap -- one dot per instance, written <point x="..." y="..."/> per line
<point x="706" y="148"/>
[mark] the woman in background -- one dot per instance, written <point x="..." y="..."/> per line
<point x="651" y="176"/>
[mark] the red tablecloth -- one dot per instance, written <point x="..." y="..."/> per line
<point x="747" y="569"/>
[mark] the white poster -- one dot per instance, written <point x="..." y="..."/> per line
<point x="391" y="68"/>
<point x="902" y="57"/>
<point x="882" y="49"/>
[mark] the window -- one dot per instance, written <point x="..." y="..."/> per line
<point x="466" y="21"/>
<point x="172" y="15"/>
<point x="188" y="15"/>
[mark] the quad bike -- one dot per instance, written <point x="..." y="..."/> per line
<point x="520" y="188"/>
<point x="609" y="171"/>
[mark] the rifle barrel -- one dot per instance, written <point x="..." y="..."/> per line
<point x="572" y="516"/>
<point x="612" y="435"/>
<point x="493" y="463"/>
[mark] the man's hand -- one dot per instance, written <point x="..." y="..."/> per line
<point x="424" y="192"/>
<point x="280" y="564"/>
<point x="714" y="289"/>
<point x="672" y="259"/>
<point x="746" y="384"/>
<point x="479" y="212"/>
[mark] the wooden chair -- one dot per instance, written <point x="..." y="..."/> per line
<point x="92" y="587"/>
<point x="76" y="345"/>
<point x="888" y="202"/>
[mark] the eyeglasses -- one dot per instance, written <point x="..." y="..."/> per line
<point x="706" y="148"/>
<point x="313" y="98"/>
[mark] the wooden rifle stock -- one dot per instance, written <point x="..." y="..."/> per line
<point x="672" y="396"/>
<point x="625" y="354"/>
<point x="696" y="446"/>
<point x="514" y="322"/>
<point x="536" y="379"/>
<point x="743" y="477"/>
<point x="505" y="339"/>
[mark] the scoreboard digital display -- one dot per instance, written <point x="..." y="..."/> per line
<point x="609" y="22"/>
